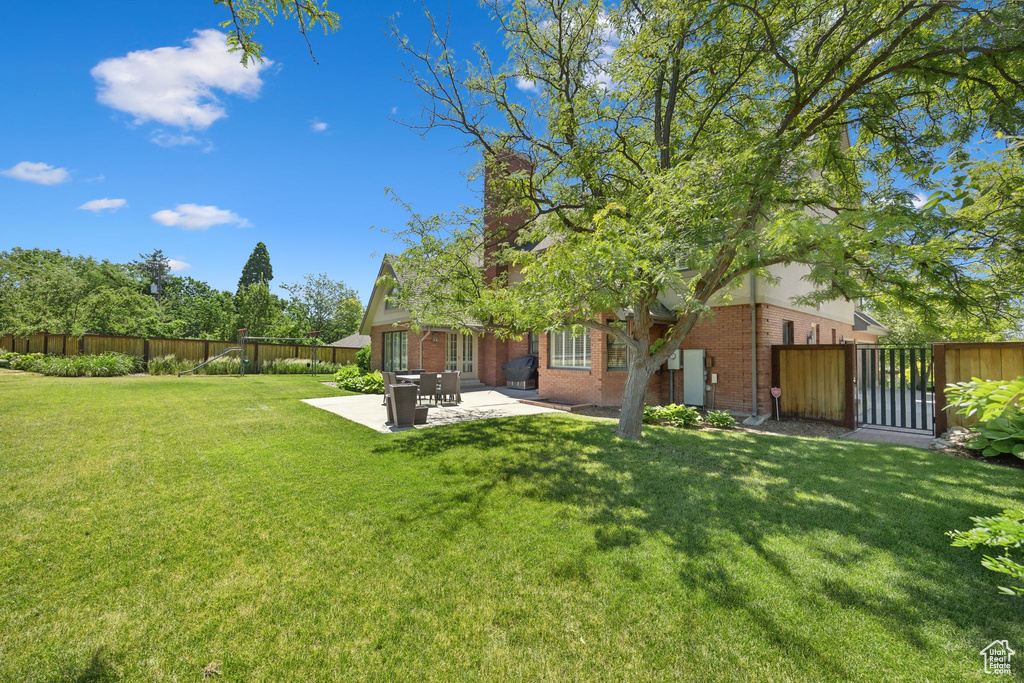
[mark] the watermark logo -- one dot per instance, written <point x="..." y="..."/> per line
<point x="997" y="657"/>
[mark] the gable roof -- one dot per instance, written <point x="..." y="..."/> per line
<point x="353" y="341"/>
<point x="862" y="322"/>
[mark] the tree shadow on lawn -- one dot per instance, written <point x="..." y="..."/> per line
<point x="846" y="503"/>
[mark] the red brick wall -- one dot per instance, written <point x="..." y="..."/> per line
<point x="433" y="352"/>
<point x="724" y="335"/>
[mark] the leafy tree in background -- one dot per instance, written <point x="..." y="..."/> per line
<point x="685" y="146"/>
<point x="194" y="309"/>
<point x="156" y="267"/>
<point x="320" y="303"/>
<point x="257" y="310"/>
<point x="257" y="269"/>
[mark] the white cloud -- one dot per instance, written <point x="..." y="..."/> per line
<point x="919" y="200"/>
<point x="527" y="85"/>
<point x="394" y="110"/>
<point x="176" y="85"/>
<point x="317" y="126"/>
<point x="37" y="172"/>
<point x="178" y="266"/>
<point x="159" y="137"/>
<point x="96" y="179"/>
<point x="196" y="217"/>
<point x="105" y="204"/>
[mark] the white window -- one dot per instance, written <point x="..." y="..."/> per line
<point x="567" y="351"/>
<point x="395" y="351"/>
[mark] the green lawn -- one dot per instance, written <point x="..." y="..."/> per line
<point x="152" y="525"/>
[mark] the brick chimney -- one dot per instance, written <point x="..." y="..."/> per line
<point x="500" y="230"/>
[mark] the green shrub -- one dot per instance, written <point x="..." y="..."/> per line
<point x="985" y="399"/>
<point x="675" y="415"/>
<point x="297" y="366"/>
<point x="350" y="378"/>
<point x="720" y="419"/>
<point x="363" y="359"/>
<point x="1005" y="530"/>
<point x="167" y="365"/>
<point x="102" y="365"/>
<point x="221" y="366"/>
<point x="997" y="405"/>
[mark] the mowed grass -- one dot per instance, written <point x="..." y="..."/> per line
<point x="152" y="526"/>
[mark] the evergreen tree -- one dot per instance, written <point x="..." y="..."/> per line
<point x="257" y="269"/>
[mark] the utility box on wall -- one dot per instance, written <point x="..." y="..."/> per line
<point x="673" y="360"/>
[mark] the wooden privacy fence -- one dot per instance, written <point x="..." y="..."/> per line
<point x="816" y="382"/>
<point x="959" y="362"/>
<point x="196" y="350"/>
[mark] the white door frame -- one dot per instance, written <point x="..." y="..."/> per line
<point x="460" y="355"/>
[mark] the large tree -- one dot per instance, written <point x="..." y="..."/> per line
<point x="257" y="268"/>
<point x="686" y="145"/>
<point x="320" y="303"/>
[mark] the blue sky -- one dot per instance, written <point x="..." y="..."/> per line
<point x="251" y="161"/>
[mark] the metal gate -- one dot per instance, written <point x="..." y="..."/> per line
<point x="895" y="386"/>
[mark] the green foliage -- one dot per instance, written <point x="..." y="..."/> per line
<point x="167" y="365"/>
<point x="258" y="310"/>
<point x="101" y="365"/>
<point x="245" y="16"/>
<point x="997" y="405"/>
<point x="674" y="149"/>
<point x="720" y="419"/>
<point x="1005" y="530"/>
<point x="985" y="399"/>
<point x="673" y="414"/>
<point x="351" y="378"/>
<point x="298" y="366"/>
<point x="257" y="268"/>
<point x="320" y="303"/>
<point x="363" y="359"/>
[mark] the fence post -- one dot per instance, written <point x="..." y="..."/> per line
<point x="81" y="345"/>
<point x="145" y="350"/>
<point x="206" y="350"/>
<point x="46" y="343"/>
<point x="941" y="419"/>
<point x="850" y="356"/>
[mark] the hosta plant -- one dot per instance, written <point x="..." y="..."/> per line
<point x="997" y="405"/>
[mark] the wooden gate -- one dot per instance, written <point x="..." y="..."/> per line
<point x="817" y="382"/>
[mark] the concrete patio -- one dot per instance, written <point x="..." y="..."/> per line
<point x="477" y="404"/>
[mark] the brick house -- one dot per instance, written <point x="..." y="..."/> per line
<point x="723" y="362"/>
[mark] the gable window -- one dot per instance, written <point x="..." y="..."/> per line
<point x="567" y="351"/>
<point x="616" y="353"/>
<point x="534" y="342"/>
<point x="787" y="331"/>
<point x="395" y="351"/>
<point x="389" y="302"/>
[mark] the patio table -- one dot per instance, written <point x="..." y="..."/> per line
<point x="415" y="379"/>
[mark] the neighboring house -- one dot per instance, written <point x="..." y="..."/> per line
<point x="731" y="345"/>
<point x="353" y="341"/>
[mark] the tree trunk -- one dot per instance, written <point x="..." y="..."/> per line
<point x="631" y="417"/>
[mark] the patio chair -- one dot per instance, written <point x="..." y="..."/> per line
<point x="389" y="378"/>
<point x="448" y="388"/>
<point x="416" y="371"/>
<point x="428" y="386"/>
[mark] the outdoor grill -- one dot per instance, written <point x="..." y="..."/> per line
<point x="521" y="373"/>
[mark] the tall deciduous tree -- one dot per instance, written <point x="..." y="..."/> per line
<point x="684" y="145"/>
<point x="156" y="267"/>
<point x="320" y="303"/>
<point x="257" y="269"/>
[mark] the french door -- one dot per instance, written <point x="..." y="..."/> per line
<point x="461" y="353"/>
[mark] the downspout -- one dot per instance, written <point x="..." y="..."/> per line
<point x="425" y="333"/>
<point x="753" y="343"/>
